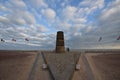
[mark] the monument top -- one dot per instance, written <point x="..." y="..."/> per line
<point x="60" y="31"/>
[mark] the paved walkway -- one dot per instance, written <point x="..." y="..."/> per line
<point x="61" y="66"/>
<point x="32" y="73"/>
<point x="37" y="73"/>
<point x="91" y="77"/>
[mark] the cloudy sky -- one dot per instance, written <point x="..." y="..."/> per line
<point x="83" y="23"/>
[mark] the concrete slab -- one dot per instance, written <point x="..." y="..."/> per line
<point x="61" y="66"/>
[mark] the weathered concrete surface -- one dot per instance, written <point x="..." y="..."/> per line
<point x="61" y="66"/>
<point x="37" y="72"/>
<point x="81" y="74"/>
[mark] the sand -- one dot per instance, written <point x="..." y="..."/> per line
<point x="16" y="65"/>
<point x="105" y="66"/>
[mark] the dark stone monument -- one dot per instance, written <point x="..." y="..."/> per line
<point x="60" y="42"/>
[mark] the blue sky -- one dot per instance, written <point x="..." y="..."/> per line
<point x="83" y="22"/>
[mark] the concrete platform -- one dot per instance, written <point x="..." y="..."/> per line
<point x="61" y="66"/>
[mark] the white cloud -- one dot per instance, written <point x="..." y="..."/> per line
<point x="18" y="3"/>
<point x="91" y="6"/>
<point x="73" y="15"/>
<point x="38" y="28"/>
<point x="15" y="12"/>
<point x="112" y="10"/>
<point x="89" y="28"/>
<point x="93" y="3"/>
<point x="19" y="21"/>
<point x="3" y="8"/>
<point x="79" y="20"/>
<point x="24" y="35"/>
<point x="49" y="13"/>
<point x="42" y="28"/>
<point x="39" y="3"/>
<point x="77" y="34"/>
<point x="21" y="18"/>
<point x="30" y="19"/>
<point x="4" y="19"/>
<point x="41" y="35"/>
<point x="69" y="12"/>
<point x="110" y="17"/>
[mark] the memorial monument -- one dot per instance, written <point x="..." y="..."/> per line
<point x="60" y="42"/>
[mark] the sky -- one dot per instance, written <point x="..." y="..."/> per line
<point x="82" y="21"/>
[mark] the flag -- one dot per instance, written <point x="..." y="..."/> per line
<point x="118" y="38"/>
<point x="100" y="39"/>
<point x="2" y="40"/>
<point x="26" y="39"/>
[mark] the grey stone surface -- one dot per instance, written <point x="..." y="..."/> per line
<point x="61" y="66"/>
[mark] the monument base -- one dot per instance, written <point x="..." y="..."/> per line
<point x="60" y="49"/>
